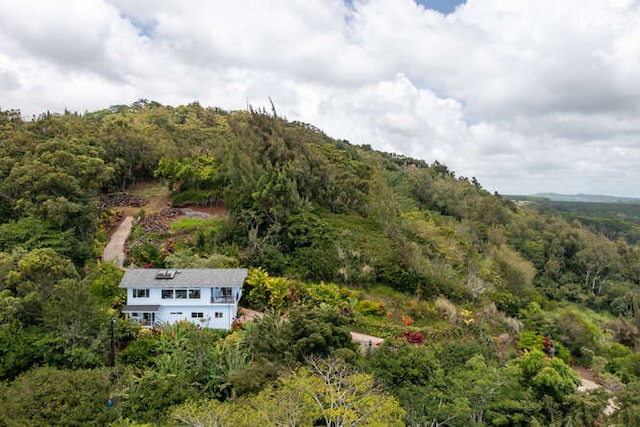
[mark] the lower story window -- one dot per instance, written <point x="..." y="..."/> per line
<point x="218" y="314"/>
<point x="197" y="314"/>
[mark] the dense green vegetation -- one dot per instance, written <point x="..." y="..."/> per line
<point x="484" y="305"/>
<point x="614" y="219"/>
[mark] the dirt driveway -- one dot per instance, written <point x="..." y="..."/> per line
<point x="114" y="251"/>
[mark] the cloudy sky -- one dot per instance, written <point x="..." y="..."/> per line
<point x="526" y="95"/>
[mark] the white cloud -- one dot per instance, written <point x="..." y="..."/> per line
<point x="526" y="96"/>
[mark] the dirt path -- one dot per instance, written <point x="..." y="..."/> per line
<point x="366" y="341"/>
<point x="114" y="251"/>
<point x="588" y="383"/>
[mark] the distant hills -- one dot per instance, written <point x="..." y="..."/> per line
<point x="579" y="198"/>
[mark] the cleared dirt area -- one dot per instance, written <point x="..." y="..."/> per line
<point x="156" y="192"/>
<point x="158" y="199"/>
<point x="158" y="214"/>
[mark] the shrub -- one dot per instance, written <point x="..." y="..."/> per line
<point x="413" y="337"/>
<point x="49" y="397"/>
<point x="371" y="308"/>
<point x="530" y="340"/>
<point x="447" y="309"/>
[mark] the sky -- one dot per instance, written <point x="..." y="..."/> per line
<point x="526" y="96"/>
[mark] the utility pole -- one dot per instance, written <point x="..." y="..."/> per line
<point x="112" y="349"/>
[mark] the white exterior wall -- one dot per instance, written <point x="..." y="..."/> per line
<point x="173" y="310"/>
<point x="172" y="314"/>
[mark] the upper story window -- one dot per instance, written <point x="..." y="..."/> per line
<point x="181" y="293"/>
<point x="140" y="292"/>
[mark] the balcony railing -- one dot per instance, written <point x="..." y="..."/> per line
<point x="223" y="300"/>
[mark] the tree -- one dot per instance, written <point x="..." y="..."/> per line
<point x="276" y="196"/>
<point x="307" y="332"/>
<point x="587" y="409"/>
<point x="103" y="281"/>
<point x="58" y="181"/>
<point x="79" y="328"/>
<point x="328" y="392"/>
<point x="267" y="292"/>
<point x="551" y="381"/>
<point x="596" y="256"/>
<point x="51" y="397"/>
<point x="516" y="271"/>
<point x="190" y="173"/>
<point x="35" y="278"/>
<point x="628" y="402"/>
<point x="348" y="398"/>
<point x="32" y="233"/>
<point x="213" y="413"/>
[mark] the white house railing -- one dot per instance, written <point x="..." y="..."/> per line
<point x="223" y="300"/>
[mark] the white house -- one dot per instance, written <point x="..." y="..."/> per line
<point x="207" y="297"/>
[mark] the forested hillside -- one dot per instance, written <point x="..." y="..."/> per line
<point x="614" y="219"/>
<point x="484" y="305"/>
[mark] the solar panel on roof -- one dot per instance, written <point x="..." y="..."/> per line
<point x="167" y="274"/>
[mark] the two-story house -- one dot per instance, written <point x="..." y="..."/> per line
<point x="207" y="297"/>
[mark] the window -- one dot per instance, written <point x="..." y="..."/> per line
<point x="222" y="295"/>
<point x="218" y="315"/>
<point x="176" y="313"/>
<point x="181" y="293"/>
<point x="140" y="292"/>
<point x="197" y="315"/>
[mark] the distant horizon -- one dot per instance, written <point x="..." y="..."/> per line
<point x="574" y="195"/>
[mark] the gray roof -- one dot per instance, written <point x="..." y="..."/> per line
<point x="141" y="308"/>
<point x="184" y="278"/>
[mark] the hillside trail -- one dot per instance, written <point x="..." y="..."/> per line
<point x="589" y="383"/>
<point x="114" y="251"/>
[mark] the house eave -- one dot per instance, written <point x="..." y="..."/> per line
<point x="144" y="308"/>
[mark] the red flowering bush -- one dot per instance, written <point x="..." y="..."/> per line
<point x="413" y="337"/>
